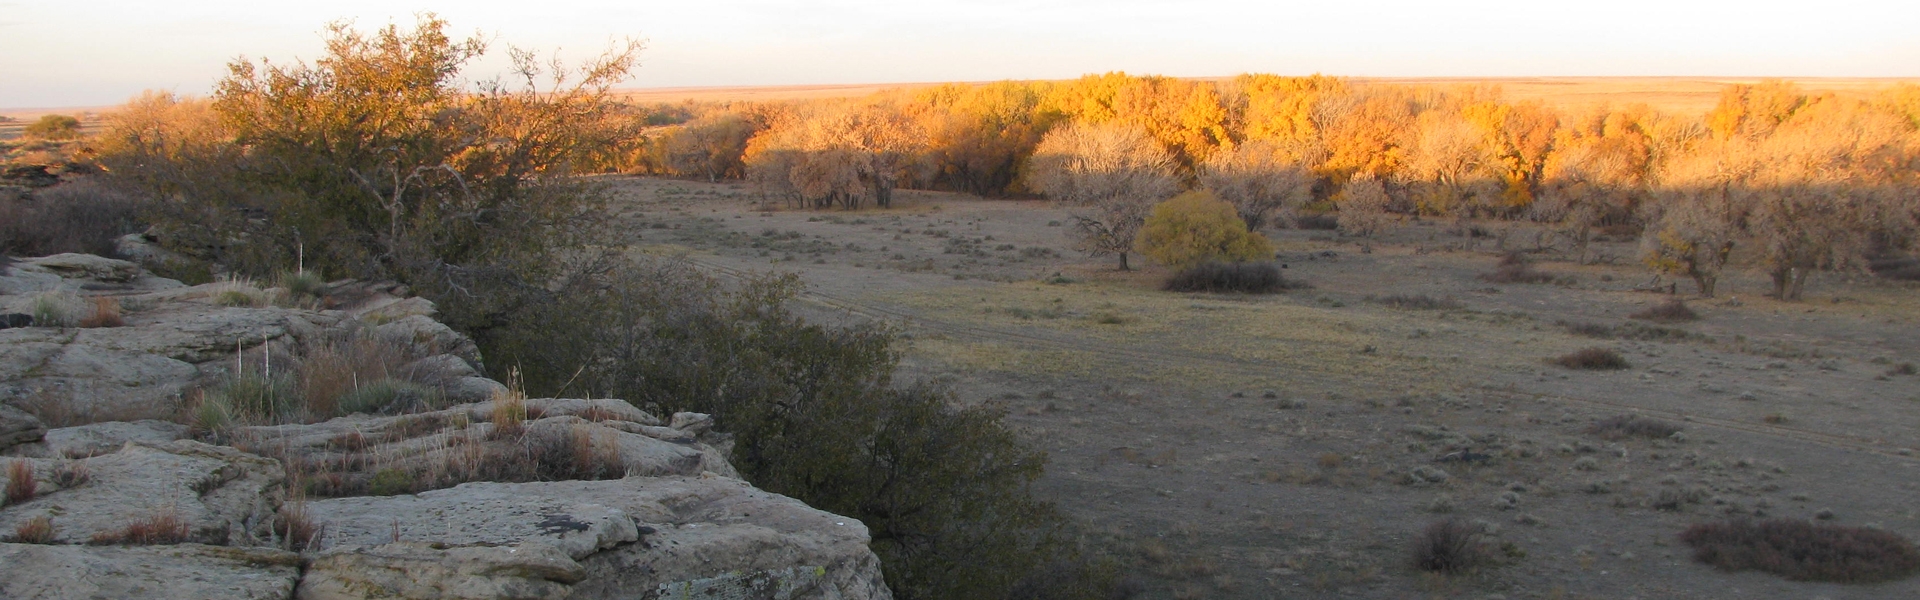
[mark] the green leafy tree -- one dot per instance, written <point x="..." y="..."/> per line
<point x="1195" y="227"/>
<point x="53" y="127"/>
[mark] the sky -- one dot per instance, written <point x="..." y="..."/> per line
<point x="56" y="54"/>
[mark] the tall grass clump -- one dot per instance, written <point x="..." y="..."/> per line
<point x="106" y="313"/>
<point x="1236" y="278"/>
<point x="21" y="486"/>
<point x="57" y="309"/>
<point x="1451" y="547"/>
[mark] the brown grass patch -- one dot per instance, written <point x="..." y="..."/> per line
<point x="1804" y="551"/>
<point x="1626" y="426"/>
<point x="160" y="527"/>
<point x="37" y="530"/>
<point x="1593" y="359"/>
<point x="337" y="367"/>
<point x="1671" y="311"/>
<point x="106" y="313"/>
<point x="21" y="486"/>
<point x="296" y="529"/>
<point x="1515" y="268"/>
<point x="1418" y="302"/>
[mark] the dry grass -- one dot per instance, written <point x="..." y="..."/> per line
<point x="21" y="486"/>
<point x="72" y="474"/>
<point x="337" y="367"/>
<point x="37" y="530"/>
<point x="1671" y="311"/>
<point x="160" y="527"/>
<point x="106" y="313"/>
<point x="1804" y="551"/>
<point x="1626" y="426"/>
<point x="1418" y="302"/>
<point x="1515" y="268"/>
<point x="296" y="529"/>
<point x="1593" y="359"/>
<point x="1451" y="547"/>
<point x="509" y="416"/>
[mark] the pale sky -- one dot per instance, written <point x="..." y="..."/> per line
<point x="105" y="51"/>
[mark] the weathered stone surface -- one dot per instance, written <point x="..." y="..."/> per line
<point x="17" y="427"/>
<point x="224" y="496"/>
<point x="184" y="572"/>
<point x="100" y="438"/>
<point x="703" y="536"/>
<point x="419" y="571"/>
<point x="87" y="266"/>
<point x="426" y="337"/>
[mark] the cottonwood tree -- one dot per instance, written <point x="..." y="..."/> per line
<point x="837" y="156"/>
<point x="710" y="147"/>
<point x="1699" y="216"/>
<point x="1109" y="176"/>
<point x="1831" y="181"/>
<point x="1258" y="179"/>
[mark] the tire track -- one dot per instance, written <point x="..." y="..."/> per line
<point x="1176" y="358"/>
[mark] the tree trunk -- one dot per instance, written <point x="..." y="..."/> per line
<point x="1123" y="262"/>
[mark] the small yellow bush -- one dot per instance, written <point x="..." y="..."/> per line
<point x="1196" y="227"/>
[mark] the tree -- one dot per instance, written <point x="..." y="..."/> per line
<point x="711" y="147"/>
<point x="1195" y="227"/>
<point x="1363" y="207"/>
<point x="1109" y="175"/>
<point x="835" y="155"/>
<point x="1258" y="179"/>
<point x="53" y="127"/>
<point x="381" y="166"/>
<point x="1699" y="217"/>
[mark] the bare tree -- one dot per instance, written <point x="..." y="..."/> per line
<point x="710" y="147"/>
<point x="840" y="155"/>
<point x="1110" y="175"/>
<point x="1258" y="179"/>
<point x="1363" y="205"/>
<point x="1698" y="217"/>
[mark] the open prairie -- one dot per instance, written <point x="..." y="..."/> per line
<point x="1294" y="445"/>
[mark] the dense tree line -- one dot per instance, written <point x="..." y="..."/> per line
<point x="1802" y="182"/>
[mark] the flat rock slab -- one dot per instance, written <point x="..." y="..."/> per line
<point x="95" y="439"/>
<point x="708" y="536"/>
<point x="223" y="495"/>
<point x="184" y="572"/>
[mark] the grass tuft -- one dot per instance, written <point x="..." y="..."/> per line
<point x="1451" y="547"/>
<point x="1418" y="302"/>
<point x="160" y="527"/>
<point x="37" y="530"/>
<point x="1804" y="551"/>
<point x="1594" y="359"/>
<point x="21" y="486"/>
<point x="106" y="313"/>
<point x="1671" y="311"/>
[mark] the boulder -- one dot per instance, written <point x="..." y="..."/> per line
<point x="87" y="266"/>
<point x="183" y="572"/>
<point x="101" y="438"/>
<point x="17" y="427"/>
<point x="638" y="537"/>
<point x="424" y="336"/>
<point x="224" y="496"/>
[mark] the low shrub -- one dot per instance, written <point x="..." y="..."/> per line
<point x="21" y="486"/>
<point x="1804" y="550"/>
<point x="1626" y="426"/>
<point x="37" y="530"/>
<point x="388" y="396"/>
<point x="1238" y="278"/>
<point x="389" y="482"/>
<point x="1671" y="311"/>
<point x="1419" y="302"/>
<point x="1593" y="359"/>
<point x="72" y="474"/>
<point x="84" y="216"/>
<point x="1515" y="268"/>
<point x="303" y="284"/>
<point x="160" y="527"/>
<point x="1451" y="547"/>
<point x="1316" y="221"/>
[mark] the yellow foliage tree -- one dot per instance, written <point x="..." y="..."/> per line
<point x="1195" y="227"/>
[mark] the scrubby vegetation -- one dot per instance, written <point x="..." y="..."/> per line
<point x="1451" y="547"/>
<point x="1228" y="278"/>
<point x="1630" y="426"/>
<point x="1195" y="228"/>
<point x="1804" y="551"/>
<point x="1593" y="359"/>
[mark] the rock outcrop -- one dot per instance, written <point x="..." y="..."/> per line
<point x="127" y="502"/>
<point x="637" y="537"/>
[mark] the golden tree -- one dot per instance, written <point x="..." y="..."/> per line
<point x="1195" y="227"/>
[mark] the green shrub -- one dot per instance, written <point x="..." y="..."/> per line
<point x="252" y="397"/>
<point x="53" y="127"/>
<point x="303" y="284"/>
<point x="388" y="396"/>
<point x="57" y="309"/>
<point x="388" y="482"/>
<point x="1195" y="227"/>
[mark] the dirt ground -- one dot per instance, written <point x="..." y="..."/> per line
<point x="1293" y="445"/>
